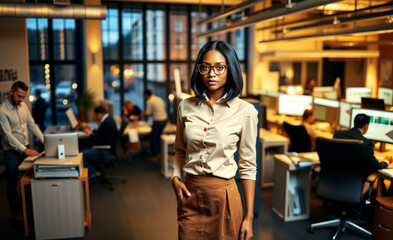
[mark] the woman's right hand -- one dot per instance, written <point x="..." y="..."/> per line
<point x="180" y="189"/>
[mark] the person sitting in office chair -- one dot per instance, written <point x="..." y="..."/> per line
<point x="131" y="112"/>
<point x="308" y="120"/>
<point x="106" y="134"/>
<point x="361" y="126"/>
<point x="311" y="83"/>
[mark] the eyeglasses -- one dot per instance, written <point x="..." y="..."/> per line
<point x="217" y="69"/>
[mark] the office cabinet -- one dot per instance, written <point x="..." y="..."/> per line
<point x="167" y="154"/>
<point x="57" y="208"/>
<point x="383" y="218"/>
<point x="271" y="143"/>
<point x="291" y="191"/>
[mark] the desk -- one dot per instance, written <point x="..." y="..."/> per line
<point x="55" y="129"/>
<point x="80" y="187"/>
<point x="276" y="142"/>
<point x="144" y="128"/>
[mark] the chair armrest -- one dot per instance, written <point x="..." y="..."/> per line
<point x="371" y="180"/>
<point x="102" y="147"/>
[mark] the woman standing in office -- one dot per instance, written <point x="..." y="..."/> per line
<point x="210" y="128"/>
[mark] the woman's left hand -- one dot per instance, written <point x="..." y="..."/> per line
<point x="246" y="229"/>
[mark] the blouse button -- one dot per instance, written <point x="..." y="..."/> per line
<point x="200" y="156"/>
<point x="205" y="129"/>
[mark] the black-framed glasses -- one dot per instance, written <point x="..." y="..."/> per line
<point x="217" y="69"/>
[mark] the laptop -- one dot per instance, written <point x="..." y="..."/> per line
<point x="69" y="140"/>
<point x="72" y="119"/>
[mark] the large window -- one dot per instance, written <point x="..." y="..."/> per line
<point x="54" y="65"/>
<point x="145" y="44"/>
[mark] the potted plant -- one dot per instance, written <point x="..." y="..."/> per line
<point x="84" y="103"/>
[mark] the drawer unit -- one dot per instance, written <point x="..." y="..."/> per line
<point x="383" y="218"/>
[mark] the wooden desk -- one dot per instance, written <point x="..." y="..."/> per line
<point x="383" y="213"/>
<point x="144" y="128"/>
<point x="277" y="143"/>
<point x="28" y="177"/>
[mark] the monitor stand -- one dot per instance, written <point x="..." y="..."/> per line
<point x="382" y="147"/>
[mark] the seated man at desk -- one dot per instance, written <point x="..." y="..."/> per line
<point x="361" y="126"/>
<point x="308" y="120"/>
<point x="106" y="135"/>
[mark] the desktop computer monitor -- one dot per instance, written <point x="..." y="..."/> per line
<point x="381" y="124"/>
<point x="386" y="94"/>
<point x="373" y="103"/>
<point x="69" y="140"/>
<point x="71" y="117"/>
<point x="270" y="100"/>
<point x="344" y="119"/>
<point x="325" y="92"/>
<point x="354" y="94"/>
<point x="326" y="110"/>
<point x="293" y="105"/>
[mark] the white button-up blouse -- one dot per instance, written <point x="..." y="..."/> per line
<point x="208" y="135"/>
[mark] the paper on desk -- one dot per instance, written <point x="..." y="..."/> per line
<point x="133" y="136"/>
<point x="387" y="171"/>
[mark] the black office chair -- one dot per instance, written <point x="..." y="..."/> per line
<point x="298" y="136"/>
<point x="109" y="161"/>
<point x="344" y="182"/>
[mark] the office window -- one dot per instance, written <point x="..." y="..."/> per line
<point x="197" y="15"/>
<point x="155" y="32"/>
<point x="219" y="23"/>
<point x="112" y="85"/>
<point x="156" y="80"/>
<point x="133" y="84"/>
<point x="132" y="31"/>
<point x="54" y="68"/>
<point x="65" y="90"/>
<point x="178" y="35"/>
<point x="110" y="34"/>
<point x="37" y="30"/>
<point x="238" y="43"/>
<point x="64" y="39"/>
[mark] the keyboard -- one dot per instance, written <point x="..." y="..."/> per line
<point x="33" y="158"/>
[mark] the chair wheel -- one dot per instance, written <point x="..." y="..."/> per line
<point x="311" y="230"/>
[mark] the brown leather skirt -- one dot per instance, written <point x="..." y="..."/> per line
<point x="213" y="211"/>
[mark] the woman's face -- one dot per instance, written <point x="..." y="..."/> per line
<point x="213" y="82"/>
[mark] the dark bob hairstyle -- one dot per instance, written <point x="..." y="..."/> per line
<point x="234" y="83"/>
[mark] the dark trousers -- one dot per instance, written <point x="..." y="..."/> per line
<point x="92" y="158"/>
<point x="12" y="160"/>
<point x="156" y="131"/>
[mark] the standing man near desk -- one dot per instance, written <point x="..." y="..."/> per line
<point x="361" y="126"/>
<point x="106" y="135"/>
<point x="155" y="108"/>
<point x="15" y="121"/>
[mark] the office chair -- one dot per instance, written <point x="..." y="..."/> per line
<point x="344" y="182"/>
<point x="298" y="136"/>
<point x="107" y="161"/>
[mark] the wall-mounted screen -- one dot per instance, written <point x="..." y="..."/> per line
<point x="355" y="94"/>
<point x="326" y="110"/>
<point x="293" y="105"/>
<point x="344" y="119"/>
<point x="381" y="124"/>
<point x="386" y="94"/>
<point x="270" y="99"/>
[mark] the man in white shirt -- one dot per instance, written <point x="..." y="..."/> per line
<point x="155" y="108"/>
<point x="15" y="121"/>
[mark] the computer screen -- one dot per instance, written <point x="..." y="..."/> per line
<point x="354" y="94"/>
<point x="293" y="105"/>
<point x="386" y="94"/>
<point x="270" y="100"/>
<point x="69" y="140"/>
<point x="345" y="113"/>
<point x="71" y="117"/>
<point x="325" y="92"/>
<point x="326" y="110"/>
<point x="373" y="103"/>
<point x="381" y="124"/>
